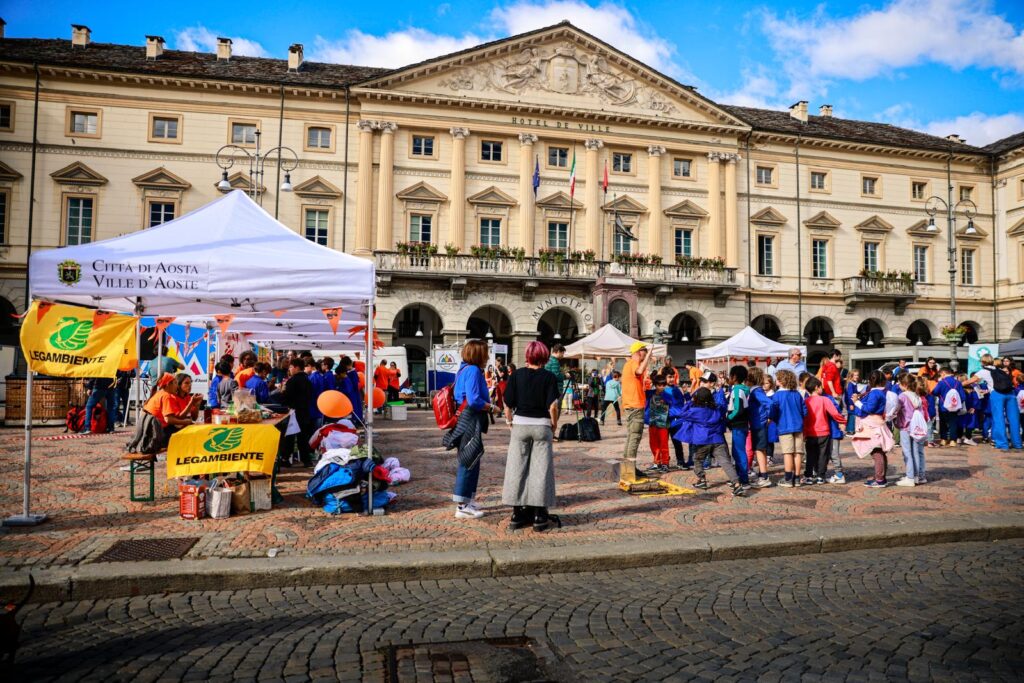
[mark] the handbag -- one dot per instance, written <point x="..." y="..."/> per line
<point x="218" y="500"/>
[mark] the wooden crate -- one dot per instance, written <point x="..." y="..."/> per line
<point x="51" y="398"/>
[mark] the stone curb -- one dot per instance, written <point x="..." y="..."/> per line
<point x="123" y="579"/>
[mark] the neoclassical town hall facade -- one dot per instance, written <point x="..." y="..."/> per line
<point x="454" y="175"/>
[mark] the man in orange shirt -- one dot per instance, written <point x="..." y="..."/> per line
<point x="633" y="400"/>
<point x="381" y="376"/>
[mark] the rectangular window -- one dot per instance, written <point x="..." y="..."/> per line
<point x="4" y="200"/>
<point x="421" y="228"/>
<point x="164" y="128"/>
<point x="684" y="242"/>
<point x="6" y="116"/>
<point x="558" y="235"/>
<point x="920" y="263"/>
<point x="558" y="157"/>
<point x="490" y="150"/>
<point x="819" y="258"/>
<point x="160" y="213"/>
<point x="869" y="185"/>
<point x="918" y="189"/>
<point x="490" y="232"/>
<point x="819" y="180"/>
<point x="622" y="162"/>
<point x="84" y="122"/>
<point x="682" y="168"/>
<point x="316" y="225"/>
<point x="967" y="266"/>
<point x="871" y="256"/>
<point x="79" y="220"/>
<point x="318" y="137"/>
<point x="965" y="193"/>
<point x="243" y="133"/>
<point x="765" y="255"/>
<point x="423" y="145"/>
<point x="621" y="244"/>
<point x="764" y="175"/>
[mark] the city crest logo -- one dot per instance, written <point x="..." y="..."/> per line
<point x="72" y="334"/>
<point x="223" y="439"/>
<point x="69" y="272"/>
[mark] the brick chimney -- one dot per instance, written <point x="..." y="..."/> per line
<point x="223" y="49"/>
<point x="295" y="57"/>
<point x="953" y="137"/>
<point x="154" y="47"/>
<point x="80" y="35"/>
<point x="799" y="111"/>
<point x="825" y="111"/>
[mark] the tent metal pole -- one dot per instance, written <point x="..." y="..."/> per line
<point x="138" y="354"/>
<point x="368" y="416"/>
<point x="26" y="518"/>
<point x="159" y="355"/>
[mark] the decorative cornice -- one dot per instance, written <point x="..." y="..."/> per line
<point x="365" y="126"/>
<point x="387" y="127"/>
<point x="78" y="173"/>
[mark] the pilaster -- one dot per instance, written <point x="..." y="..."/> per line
<point x="732" y="234"/>
<point x="592" y="198"/>
<point x="364" y="190"/>
<point x="526" y="195"/>
<point x="654" y="236"/>
<point x="386" y="185"/>
<point x="457" y="209"/>
<point x="714" y="206"/>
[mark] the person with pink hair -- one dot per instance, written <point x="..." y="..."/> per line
<point x="531" y="410"/>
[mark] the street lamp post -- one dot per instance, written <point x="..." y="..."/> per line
<point x="933" y="206"/>
<point x="229" y="154"/>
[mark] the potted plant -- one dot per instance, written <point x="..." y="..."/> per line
<point x="953" y="333"/>
<point x="402" y="247"/>
<point x="451" y="249"/>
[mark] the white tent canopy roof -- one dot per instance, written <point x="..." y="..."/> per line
<point x="607" y="342"/>
<point x="747" y="343"/>
<point x="229" y="256"/>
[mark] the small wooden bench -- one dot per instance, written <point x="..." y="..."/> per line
<point x="139" y="463"/>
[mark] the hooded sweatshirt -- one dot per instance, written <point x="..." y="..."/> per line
<point x="909" y="403"/>
<point x="700" y="426"/>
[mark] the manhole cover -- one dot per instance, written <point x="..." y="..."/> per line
<point x="148" y="550"/>
<point x="490" y="659"/>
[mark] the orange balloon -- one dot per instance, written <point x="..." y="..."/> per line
<point x="378" y="397"/>
<point x="362" y="380"/>
<point x="334" y="404"/>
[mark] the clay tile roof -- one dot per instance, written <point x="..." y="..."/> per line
<point x="172" y="63"/>
<point x="847" y="129"/>
<point x="1006" y="144"/>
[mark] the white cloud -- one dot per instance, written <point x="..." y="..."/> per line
<point x="977" y="128"/>
<point x="391" y="50"/>
<point x="905" y="33"/>
<point x="202" y="39"/>
<point x="759" y="89"/>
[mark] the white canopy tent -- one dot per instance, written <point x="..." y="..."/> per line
<point x="608" y="342"/>
<point x="747" y="344"/>
<point x="229" y="257"/>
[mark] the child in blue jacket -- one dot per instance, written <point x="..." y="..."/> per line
<point x="702" y="424"/>
<point x="787" y="412"/>
<point x="849" y="394"/>
<point x="949" y="420"/>
<point x="758" y="409"/>
<point x="838" y="477"/>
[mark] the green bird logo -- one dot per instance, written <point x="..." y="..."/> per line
<point x="72" y="334"/>
<point x="223" y="439"/>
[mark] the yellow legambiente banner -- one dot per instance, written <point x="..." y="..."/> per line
<point x="209" y="449"/>
<point x="71" y="341"/>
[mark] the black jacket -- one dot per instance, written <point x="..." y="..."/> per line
<point x="298" y="395"/>
<point x="467" y="436"/>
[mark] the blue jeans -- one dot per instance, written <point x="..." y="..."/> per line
<point x="1004" y="410"/>
<point x="109" y="404"/>
<point x="465" y="482"/>
<point x="913" y="455"/>
<point x="739" y="453"/>
<point x="851" y="423"/>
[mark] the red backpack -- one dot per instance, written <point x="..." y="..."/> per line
<point x="446" y="413"/>
<point x="75" y="419"/>
<point x="99" y="420"/>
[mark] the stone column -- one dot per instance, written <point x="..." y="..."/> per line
<point x="732" y="230"/>
<point x="592" y="198"/>
<point x="517" y="349"/>
<point x="457" y="195"/>
<point x="364" y="190"/>
<point x="386" y="185"/>
<point x="714" y="207"/>
<point x="654" y="242"/>
<point x="526" y="196"/>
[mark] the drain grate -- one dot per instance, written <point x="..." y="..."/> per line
<point x="148" y="550"/>
<point x="489" y="659"/>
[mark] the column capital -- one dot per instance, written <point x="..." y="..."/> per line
<point x="459" y="133"/>
<point x="656" y="150"/>
<point x="715" y="157"/>
<point x="366" y="126"/>
<point x="593" y="144"/>
<point x="387" y="127"/>
<point x="527" y="138"/>
<point x="731" y="158"/>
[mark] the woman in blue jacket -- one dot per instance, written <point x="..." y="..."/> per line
<point x="471" y="388"/>
<point x="702" y="424"/>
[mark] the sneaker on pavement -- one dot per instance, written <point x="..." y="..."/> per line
<point x="808" y="481"/>
<point x="761" y="483"/>
<point x="664" y="469"/>
<point x="921" y="480"/>
<point x="873" y="484"/>
<point x="819" y="480"/>
<point x="468" y="511"/>
<point x="654" y="467"/>
<point x="837" y="478"/>
<point x="786" y="483"/>
<point x="906" y="481"/>
<point x="701" y="483"/>
<point x="739" y="489"/>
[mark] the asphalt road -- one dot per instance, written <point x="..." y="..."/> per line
<point x="936" y="613"/>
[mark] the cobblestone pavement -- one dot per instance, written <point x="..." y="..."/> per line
<point x="938" y="613"/>
<point x="78" y="483"/>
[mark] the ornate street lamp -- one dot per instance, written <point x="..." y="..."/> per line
<point x="228" y="155"/>
<point x="933" y="206"/>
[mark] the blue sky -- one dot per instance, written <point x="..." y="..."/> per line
<point x="941" y="66"/>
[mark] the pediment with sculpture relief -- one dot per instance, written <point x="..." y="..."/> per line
<point x="561" y="68"/>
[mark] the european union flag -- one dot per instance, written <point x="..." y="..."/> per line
<point x="536" y="175"/>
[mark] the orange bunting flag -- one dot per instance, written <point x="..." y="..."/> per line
<point x="333" y="317"/>
<point x="100" y="317"/>
<point x="278" y="314"/>
<point x="42" y="309"/>
<point x="163" y="323"/>
<point x="223" y="322"/>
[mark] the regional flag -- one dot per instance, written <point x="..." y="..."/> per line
<point x="604" y="181"/>
<point x="572" y="175"/>
<point x="64" y="341"/>
<point x="536" y="176"/>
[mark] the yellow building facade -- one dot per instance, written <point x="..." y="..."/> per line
<point x="455" y="176"/>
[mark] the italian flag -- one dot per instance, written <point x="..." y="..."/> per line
<point x="572" y="175"/>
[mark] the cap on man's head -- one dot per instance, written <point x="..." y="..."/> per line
<point x="637" y="346"/>
<point x="709" y="376"/>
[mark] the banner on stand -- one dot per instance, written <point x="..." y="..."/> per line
<point x="64" y="341"/>
<point x="211" y="449"/>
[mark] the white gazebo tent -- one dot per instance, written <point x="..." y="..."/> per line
<point x="746" y="345"/>
<point x="227" y="258"/>
<point x="608" y="342"/>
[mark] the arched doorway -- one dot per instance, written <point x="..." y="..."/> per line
<point x="8" y="324"/>
<point x="684" y="339"/>
<point x="493" y="325"/>
<point x="1018" y="331"/>
<point x="972" y="333"/>
<point x="557" y="326"/>
<point x="818" y="335"/>
<point x="918" y="333"/>
<point x="417" y="327"/>
<point x="767" y="326"/>
<point x="870" y="335"/>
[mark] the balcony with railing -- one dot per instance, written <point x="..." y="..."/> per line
<point x="897" y="290"/>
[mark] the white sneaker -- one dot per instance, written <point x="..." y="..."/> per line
<point x="761" y="482"/>
<point x="468" y="511"/>
<point x="837" y="478"/>
<point x="906" y="481"/>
